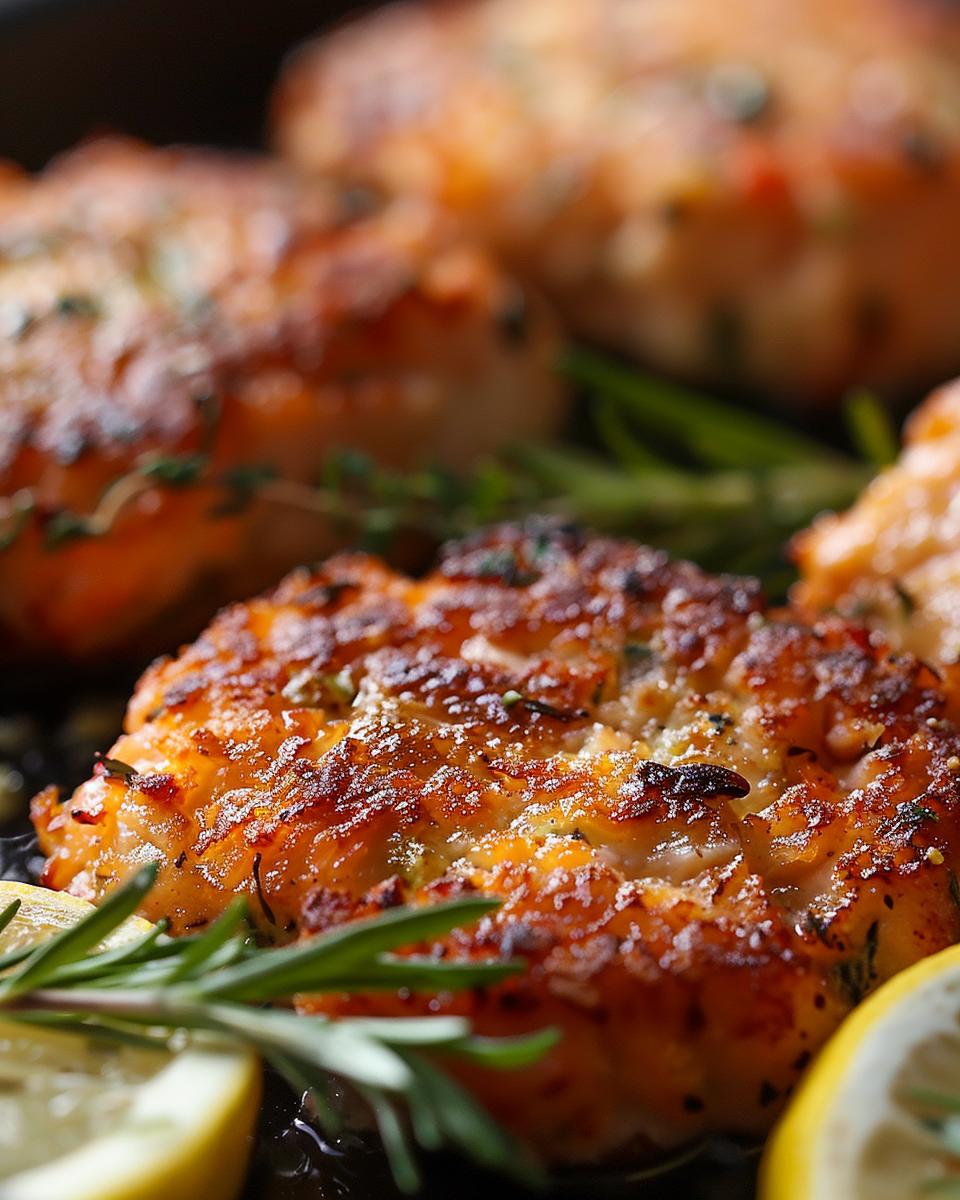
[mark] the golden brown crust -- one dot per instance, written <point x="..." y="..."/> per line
<point x="749" y="191"/>
<point x="893" y="560"/>
<point x="165" y="304"/>
<point x="713" y="827"/>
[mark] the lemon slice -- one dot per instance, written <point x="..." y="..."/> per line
<point x="860" y="1127"/>
<point x="86" y="1119"/>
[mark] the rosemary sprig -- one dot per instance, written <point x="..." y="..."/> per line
<point x="217" y="983"/>
<point x="700" y="477"/>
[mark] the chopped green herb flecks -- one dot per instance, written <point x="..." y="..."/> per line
<point x="63" y="527"/>
<point x="14" y="518"/>
<point x="856" y="976"/>
<point x="737" y="92"/>
<point x="317" y="690"/>
<point x="911" y="812"/>
<point x="114" y="767"/>
<point x="175" y="470"/>
<point x="77" y="305"/>
<point x="955" y="890"/>
<point x="242" y="484"/>
<point x="503" y="566"/>
<point x="907" y="602"/>
<point x="341" y="687"/>
<point x="512" y="699"/>
<point x="871" y="430"/>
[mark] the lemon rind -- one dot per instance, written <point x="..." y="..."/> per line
<point x="791" y="1163"/>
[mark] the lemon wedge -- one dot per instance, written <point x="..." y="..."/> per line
<point x="85" y="1119"/>
<point x="862" y="1126"/>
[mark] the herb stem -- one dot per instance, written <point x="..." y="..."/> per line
<point x="696" y="476"/>
<point x="220" y="984"/>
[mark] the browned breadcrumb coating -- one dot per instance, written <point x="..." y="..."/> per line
<point x="893" y="560"/>
<point x="714" y="827"/>
<point x="156" y="305"/>
<point x="755" y="191"/>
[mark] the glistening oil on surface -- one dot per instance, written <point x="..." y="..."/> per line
<point x="293" y="1161"/>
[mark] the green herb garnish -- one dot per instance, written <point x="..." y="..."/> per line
<point x="955" y="890"/>
<point x="856" y="976"/>
<point x="175" y="470"/>
<point x="216" y="983"/>
<point x="870" y="428"/>
<point x="77" y="305"/>
<point x="513" y="698"/>
<point x="912" y="812"/>
<point x="907" y="602"/>
<point x="115" y="767"/>
<point x="701" y="478"/>
<point x="14" y="517"/>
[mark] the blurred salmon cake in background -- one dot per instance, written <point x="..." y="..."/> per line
<point x="746" y="193"/>
<point x="185" y="335"/>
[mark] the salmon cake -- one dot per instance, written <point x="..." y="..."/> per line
<point x="713" y="827"/>
<point x="748" y="193"/>
<point x="188" y="339"/>
<point x="893" y="560"/>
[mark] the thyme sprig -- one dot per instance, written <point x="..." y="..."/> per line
<point x="700" y="477"/>
<point x="703" y="478"/>
<point x="217" y="984"/>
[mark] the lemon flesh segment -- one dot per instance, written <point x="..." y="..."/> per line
<point x="856" y="1129"/>
<point x="83" y="1119"/>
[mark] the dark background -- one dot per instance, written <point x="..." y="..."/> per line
<point x="165" y="70"/>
